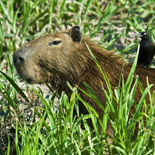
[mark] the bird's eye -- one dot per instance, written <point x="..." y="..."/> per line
<point x="144" y="33"/>
<point x="54" y="42"/>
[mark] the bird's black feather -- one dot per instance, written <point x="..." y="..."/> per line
<point x="147" y="49"/>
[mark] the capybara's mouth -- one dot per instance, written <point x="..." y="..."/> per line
<point x="30" y="81"/>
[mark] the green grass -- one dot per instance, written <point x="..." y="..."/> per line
<point x="42" y="128"/>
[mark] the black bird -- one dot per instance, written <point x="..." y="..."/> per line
<point x="147" y="49"/>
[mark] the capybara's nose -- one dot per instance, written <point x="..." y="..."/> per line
<point x="18" y="58"/>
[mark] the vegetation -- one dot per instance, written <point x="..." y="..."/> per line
<point x="31" y="121"/>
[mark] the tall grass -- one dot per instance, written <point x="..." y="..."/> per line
<point x="46" y="129"/>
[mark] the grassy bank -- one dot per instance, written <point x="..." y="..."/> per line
<point x="31" y="121"/>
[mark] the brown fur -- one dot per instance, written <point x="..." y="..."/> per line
<point x="71" y="61"/>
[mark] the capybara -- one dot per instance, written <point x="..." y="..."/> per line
<point x="63" y="56"/>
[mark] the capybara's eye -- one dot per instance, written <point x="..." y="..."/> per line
<point x="55" y="42"/>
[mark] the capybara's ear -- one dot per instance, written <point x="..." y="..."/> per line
<point x="75" y="34"/>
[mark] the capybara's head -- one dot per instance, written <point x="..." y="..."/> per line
<point x="63" y="56"/>
<point x="51" y="56"/>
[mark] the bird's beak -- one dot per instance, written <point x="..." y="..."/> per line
<point x="138" y="35"/>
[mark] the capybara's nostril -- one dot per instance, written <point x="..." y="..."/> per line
<point x="21" y="59"/>
<point x="17" y="58"/>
